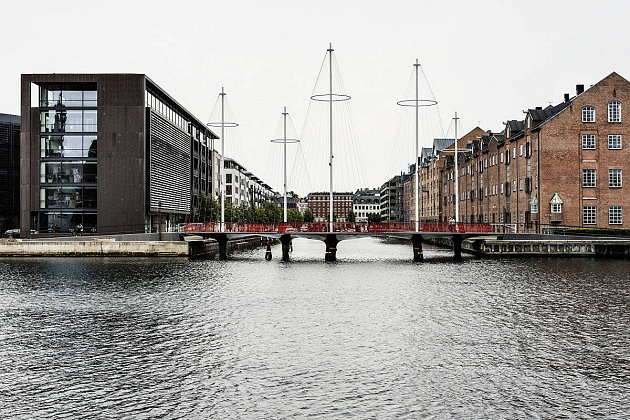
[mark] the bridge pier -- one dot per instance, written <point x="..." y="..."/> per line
<point x="285" y="240"/>
<point x="268" y="255"/>
<point x="222" y="240"/>
<point x="416" y="242"/>
<point x="457" y="247"/>
<point x="331" y="248"/>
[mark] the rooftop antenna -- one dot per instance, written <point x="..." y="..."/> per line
<point x="330" y="97"/>
<point x="223" y="125"/>
<point x="417" y="103"/>
<point x="284" y="140"/>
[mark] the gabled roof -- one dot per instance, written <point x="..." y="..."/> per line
<point x="441" y="144"/>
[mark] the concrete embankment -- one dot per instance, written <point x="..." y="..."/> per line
<point x="111" y="247"/>
<point x="543" y="245"/>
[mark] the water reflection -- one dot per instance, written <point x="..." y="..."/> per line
<point x="373" y="335"/>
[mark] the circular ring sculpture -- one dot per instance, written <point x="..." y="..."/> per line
<point x="326" y="97"/>
<point x="417" y="103"/>
<point x="283" y="140"/>
<point x="222" y="124"/>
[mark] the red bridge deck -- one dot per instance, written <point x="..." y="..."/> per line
<point x="350" y="227"/>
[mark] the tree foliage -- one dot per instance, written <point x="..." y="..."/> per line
<point x="351" y="216"/>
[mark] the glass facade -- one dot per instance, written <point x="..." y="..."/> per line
<point x="68" y="160"/>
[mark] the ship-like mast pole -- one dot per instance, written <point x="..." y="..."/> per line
<point x="330" y="160"/>
<point x="456" y="174"/>
<point x="284" y="145"/>
<point x="222" y="167"/>
<point x="415" y="159"/>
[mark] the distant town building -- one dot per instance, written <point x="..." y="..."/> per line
<point x="109" y="153"/>
<point x="9" y="171"/>
<point x="243" y="188"/>
<point x="391" y="196"/>
<point x="302" y="205"/>
<point x="292" y="200"/>
<point x="318" y="204"/>
<point x="366" y="202"/>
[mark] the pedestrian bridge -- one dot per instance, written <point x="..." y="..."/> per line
<point x="332" y="233"/>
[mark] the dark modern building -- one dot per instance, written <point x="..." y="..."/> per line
<point x="9" y="171"/>
<point x="109" y="153"/>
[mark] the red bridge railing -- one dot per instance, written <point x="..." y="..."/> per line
<point x="347" y="227"/>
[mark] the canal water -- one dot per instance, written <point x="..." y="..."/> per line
<point x="372" y="336"/>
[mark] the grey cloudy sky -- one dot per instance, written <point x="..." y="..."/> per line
<point x="487" y="60"/>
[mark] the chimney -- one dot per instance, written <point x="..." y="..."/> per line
<point x="566" y="97"/>
<point x="579" y="89"/>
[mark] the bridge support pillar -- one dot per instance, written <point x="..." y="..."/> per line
<point x="416" y="242"/>
<point x="222" y="240"/>
<point x="457" y="248"/>
<point x="331" y="248"/>
<point x="285" y="240"/>
<point x="268" y="255"/>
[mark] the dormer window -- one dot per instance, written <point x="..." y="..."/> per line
<point x="556" y="204"/>
<point x="507" y="131"/>
<point x="614" y="111"/>
<point x="529" y="121"/>
<point x="588" y="114"/>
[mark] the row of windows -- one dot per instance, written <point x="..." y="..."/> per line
<point x="68" y="172"/>
<point x="166" y="111"/>
<point x="68" y="121"/>
<point x="615" y="215"/>
<point x="75" y="98"/>
<point x="589" y="178"/>
<point x="68" y="146"/>
<point x="589" y="142"/>
<point x="68" y="197"/>
<point x="614" y="112"/>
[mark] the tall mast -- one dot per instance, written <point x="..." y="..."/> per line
<point x="415" y="160"/>
<point x="222" y="167"/>
<point x="330" y="160"/>
<point x="417" y="102"/>
<point x="284" y="140"/>
<point x="223" y="125"/>
<point x="330" y="97"/>
<point x="284" y="145"/>
<point x="456" y="174"/>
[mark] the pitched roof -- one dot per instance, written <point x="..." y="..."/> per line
<point x="441" y="144"/>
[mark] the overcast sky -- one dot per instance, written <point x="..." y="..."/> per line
<point x="487" y="60"/>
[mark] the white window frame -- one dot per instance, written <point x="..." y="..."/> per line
<point x="615" y="142"/>
<point x="589" y="215"/>
<point x="614" y="111"/>
<point x="514" y="153"/>
<point x="588" y="114"/>
<point x="502" y="188"/>
<point x="589" y="142"/>
<point x="556" y="208"/>
<point x="589" y="178"/>
<point x="615" y="215"/>
<point x="520" y="150"/>
<point x="615" y="174"/>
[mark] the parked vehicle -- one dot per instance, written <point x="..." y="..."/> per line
<point x="12" y="233"/>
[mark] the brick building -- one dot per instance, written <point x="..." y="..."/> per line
<point x="318" y="204"/>
<point x="559" y="165"/>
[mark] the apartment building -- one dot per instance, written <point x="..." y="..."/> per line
<point x="243" y="188"/>
<point x="318" y="204"/>
<point x="560" y="165"/>
<point x="366" y="204"/>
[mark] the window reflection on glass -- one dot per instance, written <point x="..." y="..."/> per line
<point x="60" y="221"/>
<point x="68" y="172"/>
<point x="68" y="121"/>
<point x="67" y="98"/>
<point x="61" y="197"/>
<point x="68" y="146"/>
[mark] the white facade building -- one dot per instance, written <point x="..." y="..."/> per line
<point x="366" y="202"/>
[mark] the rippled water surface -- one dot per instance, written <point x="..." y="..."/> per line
<point x="372" y="336"/>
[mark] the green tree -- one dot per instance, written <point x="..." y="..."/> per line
<point x="308" y="216"/>
<point x="208" y="209"/>
<point x="351" y="216"/>
<point x="294" y="216"/>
